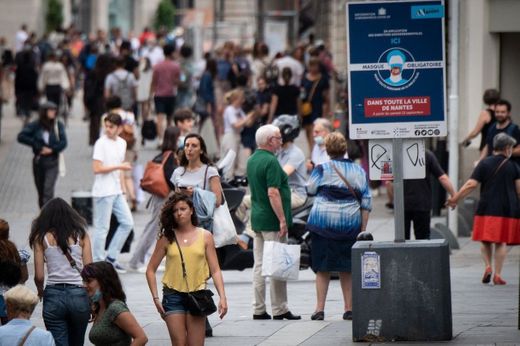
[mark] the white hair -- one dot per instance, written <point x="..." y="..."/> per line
<point x="264" y="133"/>
<point x="325" y="123"/>
<point x="21" y="299"/>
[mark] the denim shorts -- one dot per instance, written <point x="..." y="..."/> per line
<point x="173" y="302"/>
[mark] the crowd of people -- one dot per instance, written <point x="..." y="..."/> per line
<point x="148" y="87"/>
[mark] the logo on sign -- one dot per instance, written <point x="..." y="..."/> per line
<point x="431" y="11"/>
<point x="396" y="76"/>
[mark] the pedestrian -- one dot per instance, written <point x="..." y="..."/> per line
<point x="417" y="198"/>
<point x="165" y="80"/>
<point x="285" y="98"/>
<point x="185" y="90"/>
<point x="121" y="83"/>
<point x="13" y="264"/>
<point x="113" y="323"/>
<point x="93" y="94"/>
<point x="169" y="150"/>
<point x="46" y="136"/>
<point x="184" y="121"/>
<point x="143" y="87"/>
<point x="107" y="191"/>
<point x="234" y="122"/>
<point x="198" y="256"/>
<point x="496" y="220"/>
<point x="26" y="84"/>
<point x="340" y="212"/>
<point x="321" y="128"/>
<point x="270" y="218"/>
<point x="61" y="243"/>
<point x="21" y="301"/>
<point x="54" y="80"/>
<point x="486" y="118"/>
<point x="315" y="93"/>
<point x="206" y="93"/>
<point x="504" y="124"/>
<point x="197" y="171"/>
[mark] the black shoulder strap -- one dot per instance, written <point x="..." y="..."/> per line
<point x="354" y="192"/>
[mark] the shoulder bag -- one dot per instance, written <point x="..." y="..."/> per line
<point x="354" y="192"/>
<point x="198" y="303"/>
<point x="153" y="180"/>
<point x="307" y="104"/>
<point x="22" y="342"/>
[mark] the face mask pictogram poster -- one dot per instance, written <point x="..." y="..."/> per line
<point x="397" y="78"/>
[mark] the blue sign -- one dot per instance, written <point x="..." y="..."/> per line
<point x="396" y="66"/>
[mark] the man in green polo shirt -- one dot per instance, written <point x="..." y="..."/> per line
<point x="270" y="218"/>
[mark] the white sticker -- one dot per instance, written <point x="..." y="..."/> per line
<point x="370" y="270"/>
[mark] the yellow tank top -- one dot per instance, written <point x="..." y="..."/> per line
<point x="197" y="269"/>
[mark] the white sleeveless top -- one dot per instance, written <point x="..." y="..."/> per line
<point x="59" y="270"/>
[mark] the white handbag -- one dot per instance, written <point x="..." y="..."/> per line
<point x="281" y="261"/>
<point x="224" y="232"/>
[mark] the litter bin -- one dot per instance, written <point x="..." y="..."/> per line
<point x="82" y="203"/>
<point x="401" y="291"/>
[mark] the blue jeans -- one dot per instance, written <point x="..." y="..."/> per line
<point x="103" y="208"/>
<point x="66" y="311"/>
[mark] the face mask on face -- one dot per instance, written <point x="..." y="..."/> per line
<point x="319" y="140"/>
<point x="96" y="297"/>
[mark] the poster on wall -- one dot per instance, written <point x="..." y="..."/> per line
<point x="397" y="79"/>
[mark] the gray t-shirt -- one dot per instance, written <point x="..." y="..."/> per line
<point x="294" y="157"/>
<point x="184" y="178"/>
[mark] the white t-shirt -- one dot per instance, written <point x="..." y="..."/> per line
<point x="183" y="178"/>
<point x="231" y="116"/>
<point x="110" y="152"/>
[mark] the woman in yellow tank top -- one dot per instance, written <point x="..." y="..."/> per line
<point x="179" y="221"/>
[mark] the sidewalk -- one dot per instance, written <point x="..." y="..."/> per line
<point x="482" y="314"/>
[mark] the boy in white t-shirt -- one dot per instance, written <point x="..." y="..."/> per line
<point x="108" y="192"/>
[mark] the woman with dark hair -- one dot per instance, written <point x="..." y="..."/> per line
<point x="196" y="169"/>
<point x="60" y="240"/>
<point x="179" y="232"/>
<point x="315" y="91"/>
<point x="93" y="96"/>
<point x="486" y="118"/>
<point x="206" y="93"/>
<point x="168" y="152"/>
<point x="114" y="324"/>
<point x="285" y="98"/>
<point x="47" y="138"/>
<point x="13" y="266"/>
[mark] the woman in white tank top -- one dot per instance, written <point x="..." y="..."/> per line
<point x="59" y="239"/>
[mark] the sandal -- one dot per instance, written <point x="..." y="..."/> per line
<point x="497" y="280"/>
<point x="487" y="276"/>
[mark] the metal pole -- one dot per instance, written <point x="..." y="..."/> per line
<point x="453" y="121"/>
<point x="215" y="18"/>
<point x="397" y="169"/>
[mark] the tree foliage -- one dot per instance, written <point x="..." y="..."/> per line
<point x="165" y="15"/>
<point x="54" y="17"/>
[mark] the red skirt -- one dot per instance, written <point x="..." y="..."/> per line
<point x="496" y="229"/>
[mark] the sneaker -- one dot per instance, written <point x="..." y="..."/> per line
<point x="118" y="267"/>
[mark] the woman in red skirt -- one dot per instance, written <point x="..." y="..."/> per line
<point x="497" y="217"/>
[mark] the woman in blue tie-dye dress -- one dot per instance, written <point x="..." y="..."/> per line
<point x="337" y="217"/>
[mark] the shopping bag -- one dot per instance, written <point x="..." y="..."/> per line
<point x="224" y="231"/>
<point x="281" y="261"/>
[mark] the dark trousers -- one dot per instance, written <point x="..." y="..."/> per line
<point x="45" y="171"/>
<point x="53" y="94"/>
<point x="421" y="224"/>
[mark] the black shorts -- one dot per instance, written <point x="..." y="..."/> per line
<point x="164" y="105"/>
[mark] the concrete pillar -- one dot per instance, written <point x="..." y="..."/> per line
<point x="99" y="15"/>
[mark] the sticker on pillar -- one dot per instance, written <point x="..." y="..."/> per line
<point x="370" y="270"/>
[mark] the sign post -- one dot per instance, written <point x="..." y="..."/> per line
<point x="397" y="92"/>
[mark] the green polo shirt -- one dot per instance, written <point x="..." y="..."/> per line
<point x="263" y="172"/>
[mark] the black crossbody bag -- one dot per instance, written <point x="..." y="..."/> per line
<point x="198" y="303"/>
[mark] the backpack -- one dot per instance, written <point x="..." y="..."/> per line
<point x="149" y="130"/>
<point x="153" y="180"/>
<point x="124" y="91"/>
<point x="271" y="73"/>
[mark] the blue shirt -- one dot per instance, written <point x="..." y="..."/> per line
<point x="13" y="332"/>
